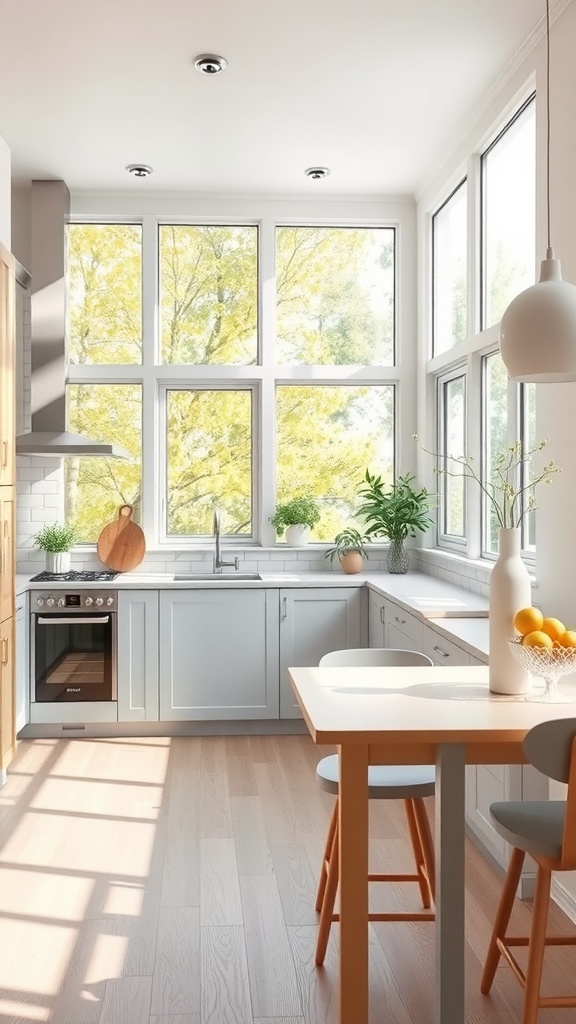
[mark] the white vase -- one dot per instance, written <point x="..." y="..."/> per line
<point x="57" y="561"/>
<point x="509" y="592"/>
<point x="297" y="535"/>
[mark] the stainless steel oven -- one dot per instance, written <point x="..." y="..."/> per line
<point x="73" y="640"/>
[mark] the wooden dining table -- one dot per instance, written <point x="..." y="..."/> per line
<point x="417" y="715"/>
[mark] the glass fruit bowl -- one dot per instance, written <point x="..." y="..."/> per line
<point x="548" y="662"/>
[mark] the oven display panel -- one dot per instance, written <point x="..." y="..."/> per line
<point x="72" y="600"/>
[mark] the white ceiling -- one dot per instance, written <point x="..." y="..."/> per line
<point x="374" y="89"/>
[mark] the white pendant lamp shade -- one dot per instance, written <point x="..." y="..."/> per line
<point x="538" y="329"/>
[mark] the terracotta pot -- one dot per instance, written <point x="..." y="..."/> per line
<point x="352" y="562"/>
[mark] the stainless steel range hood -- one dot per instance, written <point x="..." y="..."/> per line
<point x="50" y="211"/>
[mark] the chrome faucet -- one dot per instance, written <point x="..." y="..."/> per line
<point x="219" y="565"/>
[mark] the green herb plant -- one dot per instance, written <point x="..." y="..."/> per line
<point x="348" y="540"/>
<point x="397" y="512"/>
<point x="55" y="537"/>
<point x="291" y="513"/>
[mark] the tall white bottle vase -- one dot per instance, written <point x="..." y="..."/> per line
<point x="509" y="592"/>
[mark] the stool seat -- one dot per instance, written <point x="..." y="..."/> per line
<point x="385" y="782"/>
<point x="536" y="826"/>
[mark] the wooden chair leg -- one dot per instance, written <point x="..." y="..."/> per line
<point x="418" y="853"/>
<point x="328" y="901"/>
<point x="502" y="918"/>
<point x="427" y="844"/>
<point x="536" y="945"/>
<point x="326" y="857"/>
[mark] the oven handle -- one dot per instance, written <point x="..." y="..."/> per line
<point x="100" y="620"/>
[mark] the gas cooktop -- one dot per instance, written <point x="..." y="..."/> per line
<point x="95" y="576"/>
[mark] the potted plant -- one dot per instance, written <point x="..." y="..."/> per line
<point x="296" y="517"/>
<point x="396" y="513"/>
<point x="56" y="539"/>
<point x="349" y="547"/>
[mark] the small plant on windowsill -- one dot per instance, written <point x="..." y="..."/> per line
<point x="56" y="539"/>
<point x="350" y="550"/>
<point x="296" y="517"/>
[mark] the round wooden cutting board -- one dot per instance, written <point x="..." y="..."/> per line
<point x="121" y="545"/>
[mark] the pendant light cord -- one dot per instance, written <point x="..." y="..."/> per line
<point x="549" y="254"/>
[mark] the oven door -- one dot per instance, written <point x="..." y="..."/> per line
<point x="73" y="657"/>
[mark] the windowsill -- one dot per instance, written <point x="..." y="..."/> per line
<point x="475" y="567"/>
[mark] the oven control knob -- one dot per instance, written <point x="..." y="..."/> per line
<point x="50" y="602"/>
<point x="40" y="601"/>
<point x="88" y="601"/>
<point x="99" y="601"/>
<point x="61" y="602"/>
<point x="110" y="600"/>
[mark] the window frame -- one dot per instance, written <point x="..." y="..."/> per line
<point x="445" y="539"/>
<point x="434" y="277"/>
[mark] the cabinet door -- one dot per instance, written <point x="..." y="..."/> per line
<point x="397" y="640"/>
<point x="376" y="620"/>
<point x="7" y="507"/>
<point x="7" y="364"/>
<point x="218" y="654"/>
<point x="22" y="664"/>
<point x="7" y="733"/>
<point x="313" y="622"/>
<point x="442" y="651"/>
<point x="137" y="656"/>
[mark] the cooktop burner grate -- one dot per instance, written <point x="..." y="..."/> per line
<point x="94" y="576"/>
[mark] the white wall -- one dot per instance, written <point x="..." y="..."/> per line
<point x="5" y="203"/>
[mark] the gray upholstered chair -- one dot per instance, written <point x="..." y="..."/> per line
<point x="410" y="783"/>
<point x="547" y="831"/>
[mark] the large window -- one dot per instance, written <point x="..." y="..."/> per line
<point x="327" y="438"/>
<point x="208" y="461"/>
<point x="509" y="214"/>
<point x="452" y="402"/>
<point x="449" y="269"/>
<point x="95" y="487"/>
<point x="227" y="374"/>
<point x="335" y="295"/>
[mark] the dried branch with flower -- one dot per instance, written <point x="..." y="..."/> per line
<point x="510" y="491"/>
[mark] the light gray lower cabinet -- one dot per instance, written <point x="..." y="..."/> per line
<point x="312" y="622"/>
<point x="376" y="620"/>
<point x="218" y="654"/>
<point x="22" y="664"/>
<point x="137" y="655"/>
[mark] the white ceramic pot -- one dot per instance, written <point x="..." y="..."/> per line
<point x="297" y="535"/>
<point x="57" y="561"/>
<point x="509" y="592"/>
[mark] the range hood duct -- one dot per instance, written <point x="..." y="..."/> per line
<point x="50" y="212"/>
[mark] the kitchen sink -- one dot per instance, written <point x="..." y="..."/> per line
<point x="211" y="576"/>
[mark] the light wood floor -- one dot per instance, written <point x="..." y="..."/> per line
<point x="172" y="881"/>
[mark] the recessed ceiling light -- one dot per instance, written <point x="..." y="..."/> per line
<point x="210" y="63"/>
<point x="139" y="170"/>
<point x="317" y="172"/>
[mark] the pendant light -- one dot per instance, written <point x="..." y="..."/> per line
<point x="538" y="329"/>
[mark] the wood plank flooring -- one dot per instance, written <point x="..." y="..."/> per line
<point x="172" y="881"/>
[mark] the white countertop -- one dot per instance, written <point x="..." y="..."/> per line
<point x="418" y="593"/>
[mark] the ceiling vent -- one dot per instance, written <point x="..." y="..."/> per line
<point x="210" y="64"/>
<point x="139" y="170"/>
<point x="317" y="172"/>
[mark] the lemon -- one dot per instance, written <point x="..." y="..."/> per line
<point x="554" y="628"/>
<point x="528" y="619"/>
<point x="537" y="639"/>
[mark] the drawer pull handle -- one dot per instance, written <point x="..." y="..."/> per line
<point x="4" y="454"/>
<point x="284" y="607"/>
<point x="382" y="614"/>
<point x="4" y="650"/>
<point x="440" y="651"/>
<point x="401" y="621"/>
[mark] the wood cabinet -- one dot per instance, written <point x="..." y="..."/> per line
<point x="218" y="655"/>
<point x="7" y="499"/>
<point x="312" y="622"/>
<point x="138" y="655"/>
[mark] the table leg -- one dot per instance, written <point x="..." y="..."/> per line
<point x="353" y="835"/>
<point x="449" y="953"/>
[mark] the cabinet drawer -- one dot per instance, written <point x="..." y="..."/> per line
<point x="442" y="651"/>
<point x="405" y="622"/>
